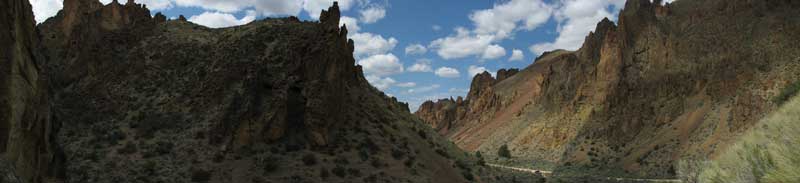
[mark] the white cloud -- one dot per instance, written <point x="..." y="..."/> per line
<point x="504" y="18"/>
<point x="436" y="27"/>
<point x="406" y="84"/>
<point x="516" y="55"/>
<point x="352" y="24"/>
<point x="447" y="72"/>
<point x="372" y="14"/>
<point x="156" y="4"/>
<point x="381" y="65"/>
<point x="492" y="26"/>
<point x="475" y="70"/>
<point x="576" y="19"/>
<point x="372" y="44"/>
<point x="380" y="83"/>
<point x="416" y="49"/>
<point x="264" y="7"/>
<point x="422" y="65"/>
<point x="43" y="9"/>
<point x="423" y="89"/>
<point x="493" y="51"/>
<point x="217" y="19"/>
<point x="461" y="45"/>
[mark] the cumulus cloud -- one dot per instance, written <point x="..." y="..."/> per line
<point x="492" y="26"/>
<point x="156" y="4"/>
<point x="218" y="20"/>
<point x="352" y="24"/>
<point x="379" y="82"/>
<point x="372" y="44"/>
<point x="461" y="45"/>
<point x="576" y="18"/>
<point x="381" y="65"/>
<point x="406" y="84"/>
<point x="422" y="65"/>
<point x="372" y="14"/>
<point x="447" y="72"/>
<point x="43" y="9"/>
<point x="516" y="55"/>
<point x="504" y="18"/>
<point x="493" y="51"/>
<point x="264" y="7"/>
<point x="436" y="27"/>
<point x="416" y="49"/>
<point x="475" y="70"/>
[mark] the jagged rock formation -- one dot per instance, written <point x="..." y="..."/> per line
<point x="26" y="141"/>
<point x="135" y="98"/>
<point x="667" y="82"/>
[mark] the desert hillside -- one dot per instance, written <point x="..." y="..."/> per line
<point x="663" y="83"/>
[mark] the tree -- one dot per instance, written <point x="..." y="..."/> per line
<point x="503" y="151"/>
<point x="480" y="159"/>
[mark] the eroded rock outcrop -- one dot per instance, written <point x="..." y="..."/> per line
<point x="143" y="99"/>
<point x="667" y="82"/>
<point x="26" y="127"/>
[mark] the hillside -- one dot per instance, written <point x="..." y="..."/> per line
<point x="107" y="93"/>
<point x="663" y="83"/>
<point x="768" y="152"/>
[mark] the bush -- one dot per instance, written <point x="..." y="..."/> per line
<point x="310" y="159"/>
<point x="324" y="173"/>
<point x="481" y="161"/>
<point x="467" y="175"/>
<point x="201" y="176"/>
<point x="129" y="148"/>
<point x="767" y="153"/>
<point x="787" y="93"/>
<point x="339" y="171"/>
<point x="504" y="152"/>
<point x="270" y="164"/>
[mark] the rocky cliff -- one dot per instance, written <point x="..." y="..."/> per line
<point x="26" y="128"/>
<point x="666" y="82"/>
<point x="127" y="97"/>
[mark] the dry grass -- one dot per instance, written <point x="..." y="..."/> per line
<point x="770" y="152"/>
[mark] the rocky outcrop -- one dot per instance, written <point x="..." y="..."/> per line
<point x="667" y="82"/>
<point x="504" y="74"/>
<point x="26" y="127"/>
<point x="143" y="99"/>
<point x="78" y="37"/>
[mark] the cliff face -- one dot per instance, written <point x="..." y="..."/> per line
<point x="666" y="82"/>
<point x="26" y="143"/>
<point x="135" y="98"/>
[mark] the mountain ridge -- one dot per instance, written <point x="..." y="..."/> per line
<point x="639" y="94"/>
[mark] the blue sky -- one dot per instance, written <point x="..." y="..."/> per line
<point x="417" y="50"/>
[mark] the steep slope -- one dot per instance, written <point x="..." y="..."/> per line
<point x="666" y="82"/>
<point x="768" y="152"/>
<point x="26" y="143"/>
<point x="135" y="98"/>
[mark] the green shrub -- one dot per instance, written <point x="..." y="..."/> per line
<point x="201" y="176"/>
<point x="339" y="171"/>
<point x="129" y="148"/>
<point x="310" y="159"/>
<point x="324" y="173"/>
<point x="504" y="152"/>
<point x="769" y="152"/>
<point x="787" y="93"/>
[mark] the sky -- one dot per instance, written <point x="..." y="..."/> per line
<point x="416" y="50"/>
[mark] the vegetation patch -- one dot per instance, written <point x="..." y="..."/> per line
<point x="787" y="93"/>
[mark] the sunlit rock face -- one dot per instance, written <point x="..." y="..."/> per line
<point x="665" y="82"/>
